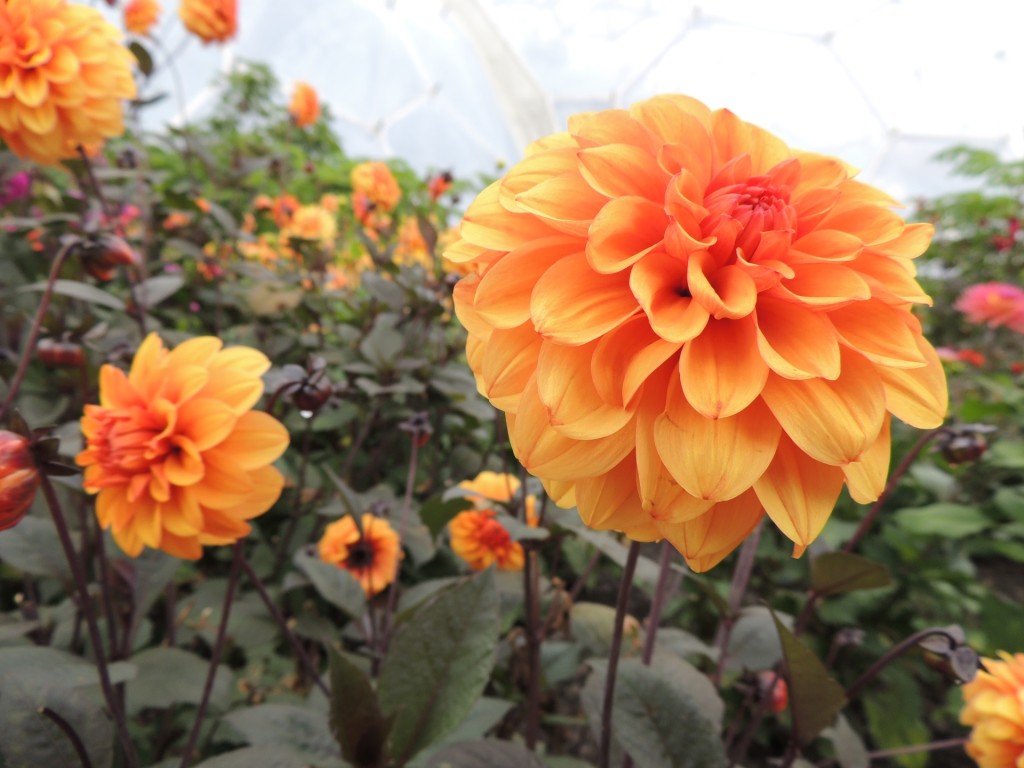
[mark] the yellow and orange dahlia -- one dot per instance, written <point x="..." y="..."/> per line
<point x="994" y="707"/>
<point x="370" y="555"/>
<point x="374" y="182"/>
<point x="175" y="453"/>
<point x="689" y="324"/>
<point x="212" y="21"/>
<point x="305" y="105"/>
<point x="63" y="75"/>
<point x="477" y="536"/>
<point x="141" y="15"/>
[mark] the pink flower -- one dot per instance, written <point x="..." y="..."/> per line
<point x="994" y="304"/>
<point x="17" y="187"/>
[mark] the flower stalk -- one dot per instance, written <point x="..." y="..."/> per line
<point x="621" y="610"/>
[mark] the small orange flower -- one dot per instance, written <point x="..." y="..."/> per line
<point x="372" y="557"/>
<point x="212" y="21"/>
<point x="689" y="325"/>
<point x="63" y="75"/>
<point x="994" y="707"/>
<point x="375" y="181"/>
<point x="176" y="220"/>
<point x="175" y="453"/>
<point x="477" y="536"/>
<point x="412" y="248"/>
<point x="141" y="15"/>
<point x="311" y="222"/>
<point x="283" y="208"/>
<point x="19" y="478"/>
<point x="305" y="105"/>
<point x="203" y="204"/>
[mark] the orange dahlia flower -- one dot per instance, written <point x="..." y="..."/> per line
<point x="371" y="555"/>
<point x="477" y="536"/>
<point x="377" y="184"/>
<point x="689" y="324"/>
<point x="994" y="707"/>
<point x="63" y="74"/>
<point x="175" y="453"/>
<point x="141" y="15"/>
<point x="212" y="21"/>
<point x="305" y="105"/>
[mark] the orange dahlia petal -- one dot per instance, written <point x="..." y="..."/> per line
<point x="831" y="421"/>
<point x="507" y="364"/>
<point x="623" y="232"/>
<point x="626" y="357"/>
<point x="865" y="478"/>
<point x="503" y="293"/>
<point x="798" y="493"/>
<point x="879" y="332"/>
<point x="795" y="342"/>
<point x="708" y="539"/>
<point x="722" y="371"/>
<point x="620" y="170"/>
<point x="917" y="396"/>
<point x="657" y="281"/>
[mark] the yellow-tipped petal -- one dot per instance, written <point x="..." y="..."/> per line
<point x="721" y="370"/>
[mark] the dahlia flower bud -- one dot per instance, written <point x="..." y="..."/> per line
<point x="19" y="478"/>
<point x="304" y="107"/>
<point x="770" y="685"/>
<point x="100" y="257"/>
<point x="60" y="354"/>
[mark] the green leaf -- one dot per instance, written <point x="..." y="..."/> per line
<point x="754" y="643"/>
<point x="81" y="291"/>
<point x="847" y="744"/>
<point x="835" y="572"/>
<point x="437" y="513"/>
<point x="951" y="521"/>
<point x="356" y="721"/>
<point x="593" y="625"/>
<point x="272" y="756"/>
<point x="155" y="289"/>
<point x="168" y="676"/>
<point x="384" y="343"/>
<point x="657" y="718"/>
<point x="301" y="729"/>
<point x="439" y="663"/>
<point x="335" y="585"/>
<point x="32" y="677"/>
<point x="142" y="57"/>
<point x="33" y="546"/>
<point x="814" y="698"/>
<point x="486" y="752"/>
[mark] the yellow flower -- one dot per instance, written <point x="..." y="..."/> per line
<point x="994" y="707"/>
<point x="305" y="105"/>
<point x="212" y="21"/>
<point x="176" y="454"/>
<point x="375" y="182"/>
<point x="63" y="75"/>
<point x="372" y="557"/>
<point x="689" y="324"/>
<point x="141" y="15"/>
<point x="311" y="222"/>
<point x="477" y="536"/>
<point x="412" y="248"/>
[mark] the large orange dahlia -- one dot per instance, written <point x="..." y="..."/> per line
<point x="994" y="707"/>
<point x="689" y="324"/>
<point x="176" y="454"/>
<point x="63" y="75"/>
<point x="212" y="21"/>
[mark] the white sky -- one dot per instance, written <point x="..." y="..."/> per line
<point x="462" y="84"/>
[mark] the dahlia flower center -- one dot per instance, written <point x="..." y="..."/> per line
<point x="360" y="555"/>
<point x="492" y="534"/>
<point x="739" y="213"/>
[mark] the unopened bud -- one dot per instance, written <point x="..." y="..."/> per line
<point x="19" y="478"/>
<point x="107" y="252"/>
<point x="60" y="354"/>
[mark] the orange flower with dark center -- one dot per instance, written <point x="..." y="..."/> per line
<point x="994" y="707"/>
<point x="371" y="555"/>
<point x="477" y="536"/>
<point x="212" y="21"/>
<point x="141" y="15"/>
<point x="690" y="324"/>
<point x="304" y="106"/>
<point x="63" y="75"/>
<point x="175" y="453"/>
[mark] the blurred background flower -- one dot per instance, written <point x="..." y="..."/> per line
<point x="370" y="551"/>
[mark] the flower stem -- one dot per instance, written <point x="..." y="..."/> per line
<point x="621" y="609"/>
<point x="531" y="596"/>
<point x="78" y="574"/>
<point x="657" y="602"/>
<point x="403" y="524"/>
<point x="931" y="746"/>
<point x="37" y="324"/>
<point x="73" y="737"/>
<point x="286" y="540"/>
<point x="218" y="649"/>
<point x="261" y="589"/>
<point x="737" y="589"/>
<point x="892" y="654"/>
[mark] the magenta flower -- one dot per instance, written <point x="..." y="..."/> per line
<point x="15" y="188"/>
